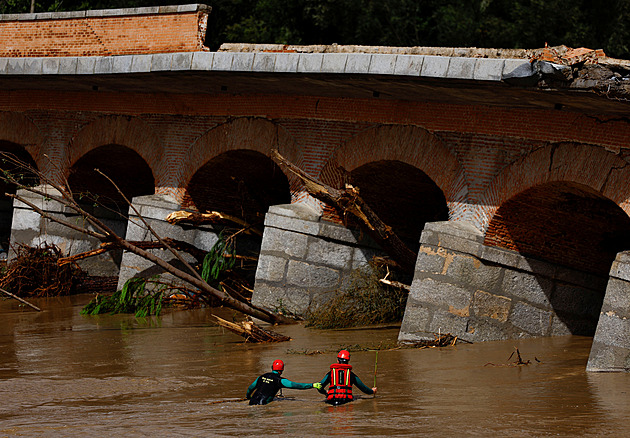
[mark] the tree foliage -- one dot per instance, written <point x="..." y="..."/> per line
<point x="451" y="23"/>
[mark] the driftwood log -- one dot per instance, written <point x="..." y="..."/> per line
<point x="251" y="332"/>
<point x="348" y="201"/>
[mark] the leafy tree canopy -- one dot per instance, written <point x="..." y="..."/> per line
<point x="442" y="23"/>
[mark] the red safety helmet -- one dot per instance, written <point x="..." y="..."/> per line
<point x="344" y="355"/>
<point x="278" y="365"/>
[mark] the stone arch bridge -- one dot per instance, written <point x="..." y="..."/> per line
<point x="509" y="177"/>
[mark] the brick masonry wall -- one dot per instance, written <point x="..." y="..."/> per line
<point x="103" y="35"/>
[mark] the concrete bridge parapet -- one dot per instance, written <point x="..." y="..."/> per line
<point x="482" y="293"/>
<point x="302" y="259"/>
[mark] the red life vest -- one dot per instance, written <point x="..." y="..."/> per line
<point x="340" y="382"/>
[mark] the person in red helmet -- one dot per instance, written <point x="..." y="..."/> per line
<point x="265" y="387"/>
<point x="341" y="378"/>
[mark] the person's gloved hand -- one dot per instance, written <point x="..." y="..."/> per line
<point x="317" y="386"/>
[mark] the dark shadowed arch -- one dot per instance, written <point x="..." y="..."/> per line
<point x="569" y="225"/>
<point x="6" y="202"/>
<point x="241" y="182"/>
<point x="403" y="196"/>
<point x="123" y="165"/>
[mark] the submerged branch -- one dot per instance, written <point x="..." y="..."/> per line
<point x="21" y="300"/>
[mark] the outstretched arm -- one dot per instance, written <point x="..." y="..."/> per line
<point x="251" y="388"/>
<point x="359" y="384"/>
<point x="286" y="383"/>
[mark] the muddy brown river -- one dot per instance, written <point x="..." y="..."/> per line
<point x="64" y="374"/>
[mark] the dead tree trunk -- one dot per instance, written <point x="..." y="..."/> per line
<point x="347" y="202"/>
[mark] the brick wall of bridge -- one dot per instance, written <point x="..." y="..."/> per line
<point x="479" y="157"/>
<point x="104" y="33"/>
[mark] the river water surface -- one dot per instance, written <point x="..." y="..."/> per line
<point x="63" y="374"/>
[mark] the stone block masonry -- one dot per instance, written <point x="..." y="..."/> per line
<point x="482" y="293"/>
<point x="303" y="260"/>
<point x="611" y="345"/>
<point x="32" y="229"/>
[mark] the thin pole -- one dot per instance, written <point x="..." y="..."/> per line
<point x="375" y="365"/>
<point x="21" y="300"/>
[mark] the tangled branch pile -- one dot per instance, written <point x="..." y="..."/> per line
<point x="34" y="273"/>
<point x="366" y="301"/>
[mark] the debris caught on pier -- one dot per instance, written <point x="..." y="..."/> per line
<point x="349" y="203"/>
<point x="34" y="272"/>
<point x="518" y="362"/>
<point x="366" y="301"/>
<point x="441" y="340"/>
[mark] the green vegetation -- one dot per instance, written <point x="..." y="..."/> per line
<point x="220" y="258"/>
<point x="133" y="298"/>
<point x="366" y="301"/>
<point x="443" y="23"/>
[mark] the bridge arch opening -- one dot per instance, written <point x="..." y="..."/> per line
<point x="6" y="202"/>
<point x="569" y="225"/>
<point x="241" y="183"/>
<point x="403" y="196"/>
<point x="123" y="165"/>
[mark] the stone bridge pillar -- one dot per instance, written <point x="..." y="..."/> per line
<point x="482" y="293"/>
<point x="30" y="228"/>
<point x="302" y="259"/>
<point x="611" y="345"/>
<point x="154" y="209"/>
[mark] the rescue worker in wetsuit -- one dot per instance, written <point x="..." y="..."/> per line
<point x="341" y="378"/>
<point x="265" y="387"/>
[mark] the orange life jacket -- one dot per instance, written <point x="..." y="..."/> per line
<point x="340" y="382"/>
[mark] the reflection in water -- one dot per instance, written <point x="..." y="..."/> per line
<point x="65" y="374"/>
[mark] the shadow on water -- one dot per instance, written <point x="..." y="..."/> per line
<point x="72" y="375"/>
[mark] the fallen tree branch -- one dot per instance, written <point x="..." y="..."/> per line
<point x="21" y="300"/>
<point x="396" y="284"/>
<point x="213" y="217"/>
<point x="347" y="202"/>
<point x="108" y="236"/>
<point x="251" y="332"/>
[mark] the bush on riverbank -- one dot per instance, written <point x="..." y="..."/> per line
<point x="366" y="301"/>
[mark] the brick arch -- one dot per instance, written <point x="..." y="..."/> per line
<point x="254" y="134"/>
<point x="408" y="144"/>
<point x="129" y="132"/>
<point x="18" y="129"/>
<point x="586" y="165"/>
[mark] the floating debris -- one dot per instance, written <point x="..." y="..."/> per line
<point x="251" y="332"/>
<point x="518" y="362"/>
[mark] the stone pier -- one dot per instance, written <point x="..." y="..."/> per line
<point x="30" y="228"/>
<point x="611" y="345"/>
<point x="154" y="209"/>
<point x="302" y="259"/>
<point x="483" y="293"/>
